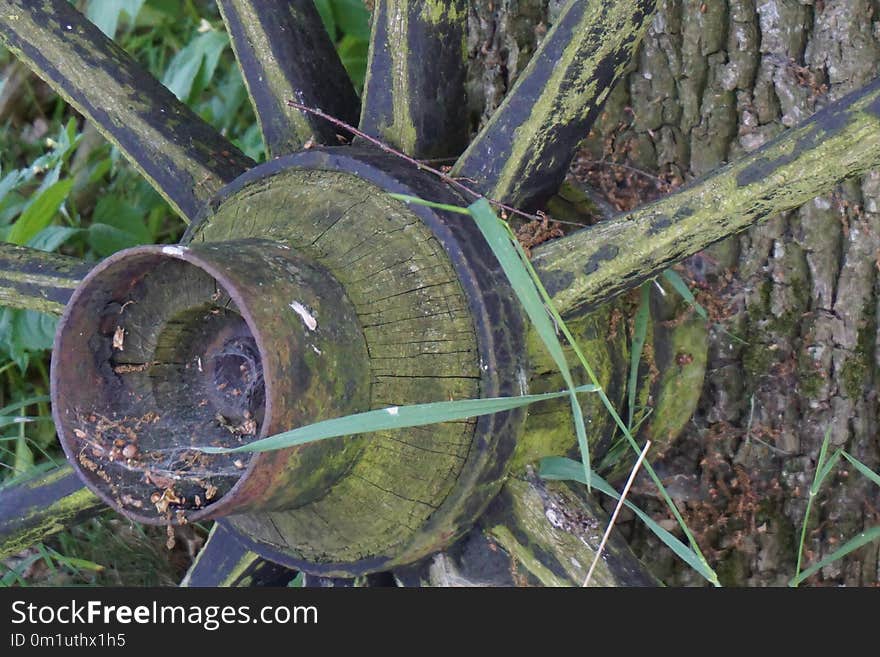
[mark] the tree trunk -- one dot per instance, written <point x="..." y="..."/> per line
<point x="713" y="81"/>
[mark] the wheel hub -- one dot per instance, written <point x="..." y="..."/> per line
<point x="416" y="289"/>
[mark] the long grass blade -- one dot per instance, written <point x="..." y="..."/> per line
<point x="394" y="417"/>
<point x="593" y="379"/>
<point x="684" y="291"/>
<point x="406" y="198"/>
<point x="564" y="469"/>
<point x="497" y="236"/>
<point x="678" y="284"/>
<point x="614" y="414"/>
<point x="620" y="502"/>
<point x="854" y="543"/>
<point x="823" y="467"/>
<point x="861" y="467"/>
<point x="6" y="410"/>
<point x="640" y="333"/>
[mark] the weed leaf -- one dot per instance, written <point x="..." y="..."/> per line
<point x="395" y="417"/>
<point x="563" y="469"/>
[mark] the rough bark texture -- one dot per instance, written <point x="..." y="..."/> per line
<point x="713" y="81"/>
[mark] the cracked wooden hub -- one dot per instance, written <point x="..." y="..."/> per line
<point x="306" y="293"/>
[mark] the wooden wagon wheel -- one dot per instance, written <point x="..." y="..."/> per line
<point x="302" y="291"/>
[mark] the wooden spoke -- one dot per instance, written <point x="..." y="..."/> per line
<point x="414" y="93"/>
<point x="593" y="265"/>
<point x="41" y="506"/>
<point x="184" y="158"/>
<point x="522" y="154"/>
<point x="286" y="54"/>
<point x="37" y="280"/>
<point x="536" y="533"/>
<point x="224" y="561"/>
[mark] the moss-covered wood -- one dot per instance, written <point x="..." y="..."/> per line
<point x="414" y="96"/>
<point x="522" y="155"/>
<point x="554" y="533"/>
<point x="285" y="53"/>
<point x="536" y="533"/>
<point x="37" y="280"/>
<point x="439" y="324"/>
<point x="224" y="562"/>
<point x="593" y="265"/>
<point x="184" y="158"/>
<point x="43" y="505"/>
<point x="668" y="385"/>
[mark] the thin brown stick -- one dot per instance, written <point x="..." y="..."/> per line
<point x="629" y="483"/>
<point x="627" y="167"/>
<point x="420" y="164"/>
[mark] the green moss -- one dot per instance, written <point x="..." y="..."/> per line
<point x="442" y="11"/>
<point x="49" y="521"/>
<point x="856" y="367"/>
<point x="810" y="379"/>
<point x="549" y="429"/>
<point x="732" y="569"/>
<point x="681" y="382"/>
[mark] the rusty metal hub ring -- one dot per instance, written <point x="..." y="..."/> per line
<point x="163" y="349"/>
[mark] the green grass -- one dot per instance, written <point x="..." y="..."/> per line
<point x="104" y="551"/>
<point x="393" y="417"/>
<point x="824" y="466"/>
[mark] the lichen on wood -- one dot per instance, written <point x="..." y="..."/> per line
<point x="435" y="330"/>
<point x="414" y="92"/>
<point x="553" y="534"/>
<point x="599" y="263"/>
<point x="522" y="154"/>
<point x="45" y="504"/>
<point x="285" y="53"/>
<point x="37" y="280"/>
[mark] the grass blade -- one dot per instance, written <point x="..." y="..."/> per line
<point x="822" y="470"/>
<point x="854" y="543"/>
<point x="640" y="333"/>
<point x="684" y="291"/>
<point x="563" y="469"/>
<point x="620" y="502"/>
<point x="430" y="204"/>
<point x="497" y="236"/>
<point x="75" y="564"/>
<point x="6" y="410"/>
<point x="395" y="417"/>
<point x="678" y="284"/>
<point x="40" y="213"/>
<point x="861" y="467"/>
<point x="548" y="303"/>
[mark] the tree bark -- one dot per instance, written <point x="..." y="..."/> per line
<point x="714" y="81"/>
